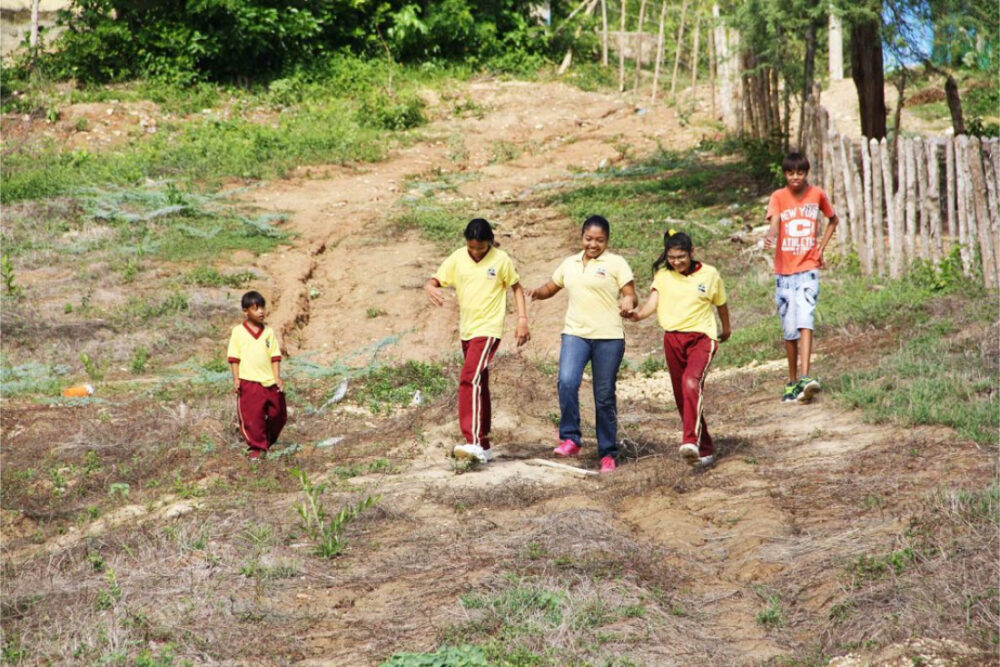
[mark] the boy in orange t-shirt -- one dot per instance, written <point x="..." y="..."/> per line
<point x="793" y="213"/>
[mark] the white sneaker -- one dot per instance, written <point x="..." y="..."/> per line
<point x="472" y="452"/>
<point x="689" y="453"/>
<point x="705" y="461"/>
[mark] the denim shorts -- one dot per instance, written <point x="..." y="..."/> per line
<point x="795" y="296"/>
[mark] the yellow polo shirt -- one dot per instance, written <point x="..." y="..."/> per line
<point x="593" y="310"/>
<point x="254" y="353"/>
<point x="685" y="302"/>
<point x="481" y="288"/>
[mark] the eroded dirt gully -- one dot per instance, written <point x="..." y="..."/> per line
<point x="780" y="514"/>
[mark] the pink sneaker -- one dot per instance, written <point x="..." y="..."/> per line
<point x="607" y="465"/>
<point x="566" y="449"/>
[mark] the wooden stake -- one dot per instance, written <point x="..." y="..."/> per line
<point x="641" y="37"/>
<point x="604" y="32"/>
<point x="659" y="49"/>
<point x="677" y="51"/>
<point x="839" y="192"/>
<point x="621" y="48"/>
<point x="920" y="162"/>
<point x="951" y="215"/>
<point x="877" y="220"/>
<point x="986" y="242"/>
<point x="573" y="470"/>
<point x="989" y="146"/>
<point x="933" y="196"/>
<point x="711" y="70"/>
<point x="911" y="199"/>
<point x="866" y="168"/>
<point x="899" y="204"/>
<point x="846" y="164"/>
<point x="694" y="56"/>
<point x="961" y="180"/>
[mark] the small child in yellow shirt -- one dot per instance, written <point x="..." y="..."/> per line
<point x="255" y="358"/>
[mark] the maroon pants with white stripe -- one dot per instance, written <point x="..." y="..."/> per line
<point x="474" y="390"/>
<point x="688" y="357"/>
<point x="262" y="414"/>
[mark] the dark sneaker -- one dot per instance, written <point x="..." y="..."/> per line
<point x="790" y="394"/>
<point x="808" y="388"/>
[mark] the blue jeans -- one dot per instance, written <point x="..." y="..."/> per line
<point x="605" y="356"/>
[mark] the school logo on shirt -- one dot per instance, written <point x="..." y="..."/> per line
<point x="703" y="288"/>
<point x="491" y="272"/>
<point x="601" y="272"/>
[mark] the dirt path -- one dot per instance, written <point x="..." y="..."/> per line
<point x="771" y="518"/>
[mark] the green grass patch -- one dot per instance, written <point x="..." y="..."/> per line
<point x="929" y="380"/>
<point x="440" y="224"/>
<point x="385" y="388"/>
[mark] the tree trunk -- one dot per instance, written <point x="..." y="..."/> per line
<point x="868" y="74"/>
<point x="621" y="48"/>
<point x="659" y="49"/>
<point x="836" y="47"/>
<point x="694" y="57"/>
<point x="677" y="51"/>
<point x="954" y="105"/>
<point x="808" y="69"/>
<point x="641" y="37"/>
<point x="604" y="32"/>
<point x="898" y="118"/>
<point x="711" y="70"/>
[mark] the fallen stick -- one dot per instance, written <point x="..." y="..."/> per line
<point x="561" y="466"/>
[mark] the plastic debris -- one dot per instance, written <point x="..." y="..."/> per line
<point x="330" y="442"/>
<point x="78" y="390"/>
<point x="418" y="398"/>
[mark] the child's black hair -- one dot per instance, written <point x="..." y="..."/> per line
<point x="251" y="299"/>
<point x="672" y="239"/>
<point x="795" y="162"/>
<point x="479" y="229"/>
<point x="597" y="221"/>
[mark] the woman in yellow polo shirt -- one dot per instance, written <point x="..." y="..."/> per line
<point x="682" y="296"/>
<point x="601" y="288"/>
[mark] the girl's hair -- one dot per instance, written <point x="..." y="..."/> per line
<point x="251" y="299"/>
<point x="596" y="221"/>
<point x="479" y="230"/>
<point x="672" y="239"/>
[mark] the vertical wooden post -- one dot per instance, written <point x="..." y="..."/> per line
<point x="694" y="55"/>
<point x="899" y="204"/>
<point x="840" y="193"/>
<point x="604" y="32"/>
<point x="923" y="215"/>
<point x="911" y="200"/>
<point x="894" y="265"/>
<point x="851" y="189"/>
<point x="961" y="187"/>
<point x="877" y="218"/>
<point x="711" y="69"/>
<point x="989" y="167"/>
<point x="986" y="242"/>
<point x="621" y="47"/>
<point x="933" y="197"/>
<point x="868" y="264"/>
<point x="641" y="36"/>
<point x="951" y="215"/>
<point x="659" y="49"/>
<point x="677" y="51"/>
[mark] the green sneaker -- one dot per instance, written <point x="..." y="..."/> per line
<point x="808" y="388"/>
<point x="790" y="394"/>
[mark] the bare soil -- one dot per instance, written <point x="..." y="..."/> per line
<point x="798" y="494"/>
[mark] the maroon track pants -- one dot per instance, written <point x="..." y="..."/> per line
<point x="262" y="414"/>
<point x="688" y="357"/>
<point x="474" y="414"/>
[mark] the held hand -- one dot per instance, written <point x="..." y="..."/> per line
<point x="724" y="336"/>
<point x="434" y="294"/>
<point x="521" y="332"/>
<point x="625" y="306"/>
<point x="530" y="293"/>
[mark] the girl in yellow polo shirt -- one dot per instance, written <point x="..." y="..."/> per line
<point x="601" y="287"/>
<point x="481" y="275"/>
<point x="682" y="296"/>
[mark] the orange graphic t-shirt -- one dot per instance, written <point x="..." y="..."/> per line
<point x="798" y="228"/>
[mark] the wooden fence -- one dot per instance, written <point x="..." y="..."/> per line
<point x="915" y="202"/>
